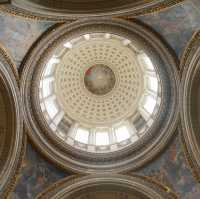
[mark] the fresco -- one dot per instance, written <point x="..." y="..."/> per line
<point x="170" y="169"/>
<point x="177" y="25"/>
<point x="37" y="174"/>
<point x="17" y="35"/>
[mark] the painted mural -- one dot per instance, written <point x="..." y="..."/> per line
<point x="177" y="25"/>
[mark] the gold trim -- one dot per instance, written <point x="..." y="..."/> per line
<point x="74" y="178"/>
<point x="165" y="188"/>
<point x="186" y="153"/>
<point x="57" y="184"/>
<point x="8" y="58"/>
<point x="45" y="157"/>
<point x="14" y="11"/>
<point x="155" y="9"/>
<point x="15" y="173"/>
<point x="51" y="35"/>
<point x="188" y="160"/>
<point x="17" y="12"/>
<point x="189" y="47"/>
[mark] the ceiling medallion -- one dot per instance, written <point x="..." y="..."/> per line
<point x="61" y="10"/>
<point x="11" y="127"/>
<point x="99" y="79"/>
<point x="99" y="95"/>
<point x="107" y="187"/>
<point x="189" y="96"/>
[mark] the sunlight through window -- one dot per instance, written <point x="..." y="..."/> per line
<point x="102" y="138"/>
<point x="68" y="45"/>
<point x="148" y="62"/>
<point x="46" y="90"/>
<point x="153" y="83"/>
<point x="51" y="108"/>
<point x="149" y="104"/>
<point x="87" y="37"/>
<point x="126" y="42"/>
<point x="122" y="133"/>
<point x="107" y="36"/>
<point x="50" y="64"/>
<point x="82" y="135"/>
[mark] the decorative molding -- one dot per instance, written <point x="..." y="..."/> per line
<point x="82" y="162"/>
<point x="142" y="186"/>
<point x="129" y="11"/>
<point x="189" y="48"/>
<point x="8" y="58"/>
<point x="190" y="62"/>
<point x="10" y="167"/>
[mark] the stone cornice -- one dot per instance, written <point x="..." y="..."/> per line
<point x="15" y="137"/>
<point x="47" y="143"/>
<point x="190" y="62"/>
<point x="130" y="12"/>
<point x="141" y="184"/>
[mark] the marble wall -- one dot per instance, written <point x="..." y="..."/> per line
<point x="177" y="25"/>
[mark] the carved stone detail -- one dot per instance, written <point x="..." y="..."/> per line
<point x="13" y="144"/>
<point x="48" y="11"/>
<point x="133" y="157"/>
<point x="119" y="187"/>
<point x="189" y="96"/>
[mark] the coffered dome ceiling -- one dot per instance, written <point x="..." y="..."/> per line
<point x="62" y="9"/>
<point x="100" y="95"/>
<point x="11" y="135"/>
<point x="102" y="89"/>
<point x="92" y="91"/>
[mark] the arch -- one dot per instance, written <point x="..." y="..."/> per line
<point x="132" y="157"/>
<point x="107" y="186"/>
<point x="66" y="9"/>
<point x="12" y="142"/>
<point x="189" y="96"/>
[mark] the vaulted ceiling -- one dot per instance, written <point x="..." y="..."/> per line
<point x="175" y="167"/>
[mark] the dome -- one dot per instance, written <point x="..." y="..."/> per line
<point x="190" y="114"/>
<point x="101" y="91"/>
<point x="11" y="128"/>
<point x="107" y="187"/>
<point x="107" y="92"/>
<point x="61" y="10"/>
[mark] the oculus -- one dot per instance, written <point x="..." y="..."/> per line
<point x="99" y="79"/>
<point x="100" y="95"/>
